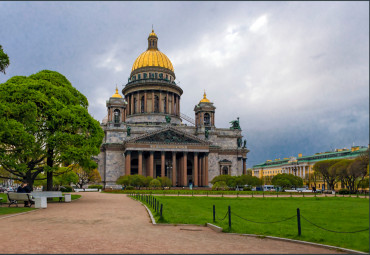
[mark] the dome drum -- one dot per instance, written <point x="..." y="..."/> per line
<point x="150" y="69"/>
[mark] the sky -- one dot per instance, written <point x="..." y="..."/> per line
<point x="295" y="73"/>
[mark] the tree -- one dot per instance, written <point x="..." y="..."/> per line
<point x="86" y="174"/>
<point x="249" y="171"/>
<point x="356" y="171"/>
<point x="220" y="185"/>
<point x="137" y="181"/>
<point x="154" y="183"/>
<point x="165" y="181"/>
<point x="4" y="60"/>
<point x="44" y="122"/>
<point x="287" y="181"/>
<point x="329" y="176"/>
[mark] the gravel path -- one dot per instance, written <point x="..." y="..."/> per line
<point x="114" y="223"/>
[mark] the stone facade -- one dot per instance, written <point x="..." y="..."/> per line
<point x="145" y="133"/>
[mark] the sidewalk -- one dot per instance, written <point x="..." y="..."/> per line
<point x="114" y="223"/>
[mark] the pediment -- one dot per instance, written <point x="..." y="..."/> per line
<point x="169" y="136"/>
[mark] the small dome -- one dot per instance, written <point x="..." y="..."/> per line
<point x="117" y="95"/>
<point x="205" y="99"/>
<point x="153" y="34"/>
<point x="152" y="57"/>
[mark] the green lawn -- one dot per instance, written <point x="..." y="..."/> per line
<point x="333" y="213"/>
<point x="4" y="209"/>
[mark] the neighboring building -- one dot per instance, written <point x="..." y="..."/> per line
<point x="302" y="166"/>
<point x="144" y="133"/>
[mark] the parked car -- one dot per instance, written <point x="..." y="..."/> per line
<point x="10" y="189"/>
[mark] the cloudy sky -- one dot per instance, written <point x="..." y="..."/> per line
<point x="296" y="73"/>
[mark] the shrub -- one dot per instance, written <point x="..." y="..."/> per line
<point x="155" y="183"/>
<point x="247" y="189"/>
<point x="220" y="185"/>
<point x="95" y="186"/>
<point x="66" y="188"/>
<point x="129" y="188"/>
<point x="343" y="191"/>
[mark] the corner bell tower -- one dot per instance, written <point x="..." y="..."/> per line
<point x="205" y="113"/>
<point x="116" y="106"/>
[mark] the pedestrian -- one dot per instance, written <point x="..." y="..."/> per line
<point x="24" y="188"/>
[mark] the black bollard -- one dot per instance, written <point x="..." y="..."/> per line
<point x="214" y="213"/>
<point x="161" y="209"/>
<point x="299" y="221"/>
<point x="229" y="217"/>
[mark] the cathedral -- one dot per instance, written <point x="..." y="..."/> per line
<point x="145" y="131"/>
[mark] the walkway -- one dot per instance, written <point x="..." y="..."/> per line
<point x="114" y="223"/>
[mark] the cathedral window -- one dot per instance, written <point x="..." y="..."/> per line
<point x="156" y="104"/>
<point x="225" y="170"/>
<point x="139" y="76"/>
<point x="142" y="104"/>
<point x="135" y="105"/>
<point x="156" y="75"/>
<point x="207" y="119"/>
<point x="166" y="76"/>
<point x="145" y="75"/>
<point x="116" y="116"/>
<point x="161" y="75"/>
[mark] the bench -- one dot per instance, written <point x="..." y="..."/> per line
<point x="49" y="194"/>
<point x="13" y="198"/>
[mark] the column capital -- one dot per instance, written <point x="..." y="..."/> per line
<point x="151" y="152"/>
<point x="196" y="153"/>
<point x="140" y="152"/>
<point x="185" y="153"/>
<point x="163" y="152"/>
<point x="128" y="152"/>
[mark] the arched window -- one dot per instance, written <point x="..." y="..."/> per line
<point x="156" y="104"/>
<point x="156" y="75"/>
<point x="139" y="76"/>
<point x="207" y="119"/>
<point x="142" y="104"/>
<point x="135" y="105"/>
<point x="145" y="75"/>
<point x="165" y="105"/>
<point x="116" y="116"/>
<point x="225" y="170"/>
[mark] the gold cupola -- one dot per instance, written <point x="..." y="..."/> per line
<point x="152" y="57"/>
<point x="205" y="99"/>
<point x="117" y="95"/>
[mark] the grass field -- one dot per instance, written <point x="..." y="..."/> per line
<point x="4" y="209"/>
<point x="332" y="213"/>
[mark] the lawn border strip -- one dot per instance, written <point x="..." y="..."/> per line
<point x="301" y="242"/>
<point x="16" y="214"/>
<point x="149" y="212"/>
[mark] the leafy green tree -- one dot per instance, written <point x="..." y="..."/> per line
<point x="4" y="60"/>
<point x="137" y="181"/>
<point x="223" y="177"/>
<point x="44" y="122"/>
<point x="329" y="175"/>
<point x="147" y="181"/>
<point x="356" y="172"/>
<point x="88" y="173"/>
<point x="165" y="181"/>
<point x="287" y="181"/>
<point x="124" y="180"/>
<point x="220" y="185"/>
<point x="154" y="183"/>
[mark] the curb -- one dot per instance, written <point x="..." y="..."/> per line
<point x="17" y="214"/>
<point x="149" y="212"/>
<point x="349" y="251"/>
<point x="214" y="227"/>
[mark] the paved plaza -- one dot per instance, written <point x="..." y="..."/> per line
<point x="114" y="223"/>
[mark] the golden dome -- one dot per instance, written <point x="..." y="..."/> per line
<point x="205" y="99"/>
<point x="116" y="94"/>
<point x="152" y="57"/>
<point x="153" y="34"/>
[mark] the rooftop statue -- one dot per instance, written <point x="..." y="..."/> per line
<point x="235" y="124"/>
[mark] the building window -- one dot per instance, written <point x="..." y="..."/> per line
<point x="161" y="75"/>
<point x="156" y="104"/>
<point x="166" y="76"/>
<point x="139" y="76"/>
<point x="207" y="119"/>
<point x="145" y="75"/>
<point x="116" y="116"/>
<point x="156" y="75"/>
<point x="142" y="104"/>
<point x="225" y="170"/>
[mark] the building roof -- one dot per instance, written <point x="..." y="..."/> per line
<point x="205" y="99"/>
<point x="117" y="95"/>
<point x="345" y="153"/>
